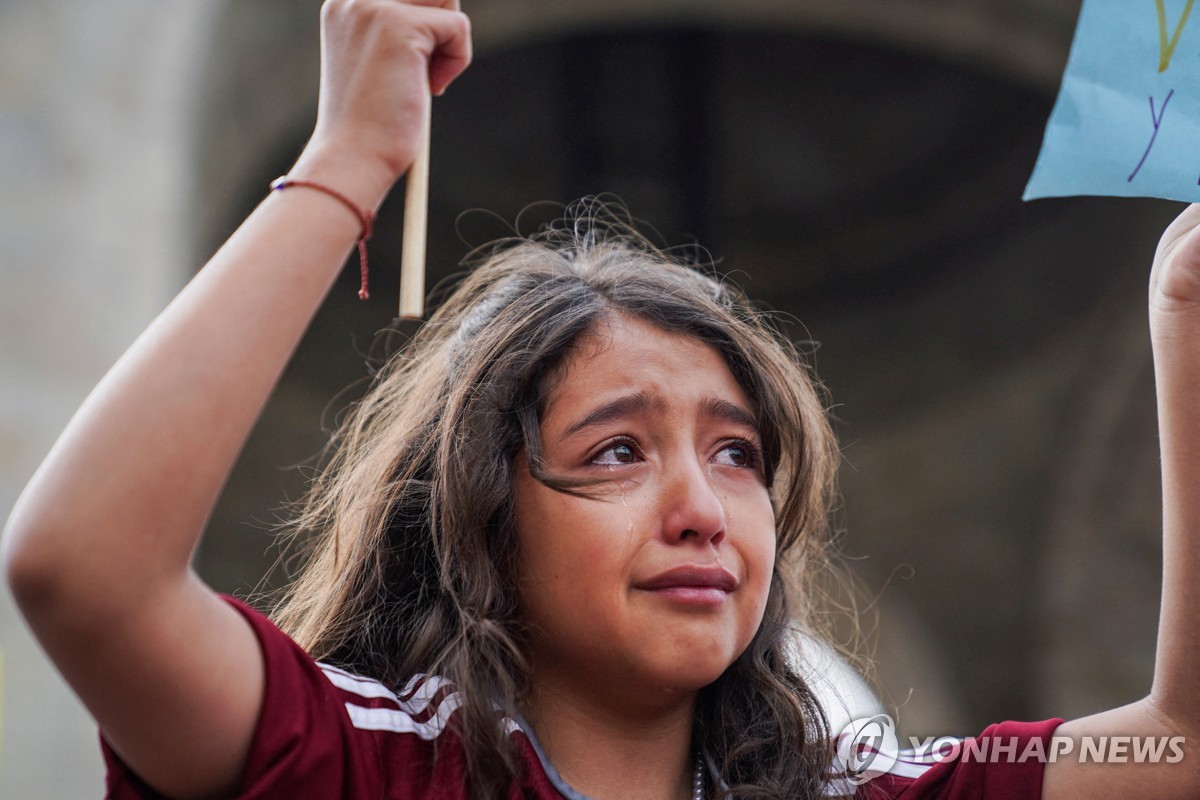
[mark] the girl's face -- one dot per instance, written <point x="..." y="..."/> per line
<point x="657" y="581"/>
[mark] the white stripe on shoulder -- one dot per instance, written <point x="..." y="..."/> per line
<point x="397" y="721"/>
<point x="417" y="699"/>
<point x="420" y="698"/>
<point x="909" y="769"/>
<point x="840" y="787"/>
<point x="897" y="763"/>
<point x="400" y="720"/>
<point x="339" y="670"/>
<point x="363" y="687"/>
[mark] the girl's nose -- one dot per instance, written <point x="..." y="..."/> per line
<point x="692" y="510"/>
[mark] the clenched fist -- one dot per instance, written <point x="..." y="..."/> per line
<point x="380" y="62"/>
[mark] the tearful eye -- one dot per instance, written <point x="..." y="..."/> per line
<point x="738" y="454"/>
<point x="616" y="453"/>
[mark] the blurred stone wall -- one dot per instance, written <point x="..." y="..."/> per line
<point x="987" y="360"/>
<point x="96" y="163"/>
<point x="96" y="148"/>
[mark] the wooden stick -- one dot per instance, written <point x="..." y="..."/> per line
<point x="416" y="221"/>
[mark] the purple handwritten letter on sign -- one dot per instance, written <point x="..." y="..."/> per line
<point x="1127" y="120"/>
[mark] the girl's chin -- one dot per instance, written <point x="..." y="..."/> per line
<point x="688" y="677"/>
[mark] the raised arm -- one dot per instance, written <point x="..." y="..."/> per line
<point x="98" y="547"/>
<point x="1173" y="707"/>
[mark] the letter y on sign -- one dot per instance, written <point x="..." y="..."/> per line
<point x="1166" y="49"/>
<point x="1156" y="117"/>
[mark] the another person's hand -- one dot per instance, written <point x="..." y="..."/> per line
<point x="1175" y="278"/>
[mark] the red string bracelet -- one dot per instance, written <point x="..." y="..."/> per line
<point x="367" y="218"/>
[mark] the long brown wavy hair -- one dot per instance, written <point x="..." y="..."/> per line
<point x="413" y="547"/>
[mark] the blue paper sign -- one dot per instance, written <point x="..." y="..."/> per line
<point x="1127" y="119"/>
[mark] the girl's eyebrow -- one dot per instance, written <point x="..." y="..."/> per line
<point x="716" y="408"/>
<point x="641" y="402"/>
<point x="627" y="405"/>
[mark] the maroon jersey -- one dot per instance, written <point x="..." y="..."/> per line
<point x="324" y="733"/>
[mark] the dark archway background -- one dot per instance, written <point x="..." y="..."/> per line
<point x="871" y="192"/>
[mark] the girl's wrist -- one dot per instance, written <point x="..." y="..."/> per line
<point x="364" y="181"/>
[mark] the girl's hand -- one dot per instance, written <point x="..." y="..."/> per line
<point x="380" y="61"/>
